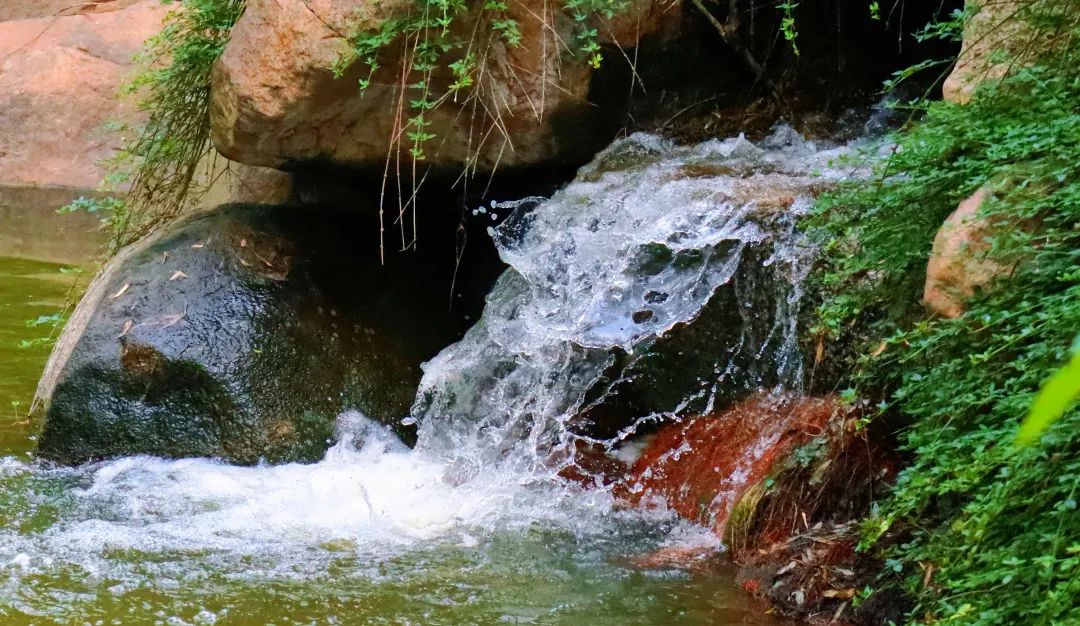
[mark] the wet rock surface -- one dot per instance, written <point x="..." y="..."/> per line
<point x="702" y="467"/>
<point x="663" y="281"/>
<point x="242" y="334"/>
<point x="784" y="479"/>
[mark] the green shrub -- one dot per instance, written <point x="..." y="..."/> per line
<point x="982" y="531"/>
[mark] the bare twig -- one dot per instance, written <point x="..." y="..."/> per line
<point x="729" y="33"/>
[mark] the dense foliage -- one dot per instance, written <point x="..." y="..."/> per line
<point x="983" y="531"/>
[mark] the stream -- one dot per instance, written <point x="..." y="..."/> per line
<point x="473" y="526"/>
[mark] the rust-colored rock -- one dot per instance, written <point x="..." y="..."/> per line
<point x="790" y="521"/>
<point x="701" y="467"/>
<point x="958" y="265"/>
<point x="277" y="103"/>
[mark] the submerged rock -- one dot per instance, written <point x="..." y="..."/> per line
<point x="277" y="102"/>
<point x="242" y="334"/>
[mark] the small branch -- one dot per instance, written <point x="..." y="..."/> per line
<point x="729" y="33"/>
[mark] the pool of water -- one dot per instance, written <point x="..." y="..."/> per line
<point x="372" y="534"/>
<point x="364" y="537"/>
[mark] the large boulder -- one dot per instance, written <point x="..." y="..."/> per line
<point x="60" y="82"/>
<point x="277" y="103"/>
<point x="25" y="9"/>
<point x="242" y="334"/>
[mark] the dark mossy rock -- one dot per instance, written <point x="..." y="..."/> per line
<point x="740" y="342"/>
<point x="242" y="334"/>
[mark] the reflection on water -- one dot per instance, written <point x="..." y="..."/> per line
<point x="30" y="227"/>
<point x="28" y="290"/>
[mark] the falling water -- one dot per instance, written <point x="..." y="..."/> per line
<point x="637" y="245"/>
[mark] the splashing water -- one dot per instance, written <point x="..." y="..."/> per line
<point x="372" y="532"/>
<point x="369" y="492"/>
<point x="468" y="527"/>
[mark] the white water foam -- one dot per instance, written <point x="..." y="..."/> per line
<point x="370" y="497"/>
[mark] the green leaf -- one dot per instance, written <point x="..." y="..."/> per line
<point x="1055" y="397"/>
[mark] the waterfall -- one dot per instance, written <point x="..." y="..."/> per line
<point x="664" y="280"/>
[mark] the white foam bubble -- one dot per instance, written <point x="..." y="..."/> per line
<point x="370" y="496"/>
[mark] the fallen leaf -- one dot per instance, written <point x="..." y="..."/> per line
<point x="169" y="320"/>
<point x="122" y="291"/>
<point x="881" y="348"/>
<point x="178" y="275"/>
<point x="843" y="594"/>
<point x="787" y="568"/>
<point x="929" y="573"/>
<point x="198" y="245"/>
<point x="127" y="328"/>
<point x="819" y="352"/>
<point x="164" y="257"/>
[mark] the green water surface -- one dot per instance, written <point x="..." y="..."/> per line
<point x="29" y="290"/>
